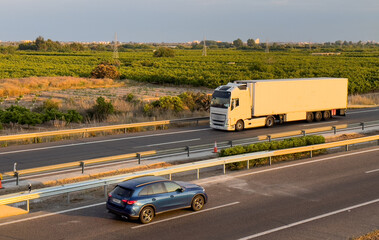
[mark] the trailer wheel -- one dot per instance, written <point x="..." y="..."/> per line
<point x="239" y="125"/>
<point x="270" y="121"/>
<point x="326" y="115"/>
<point x="318" y="116"/>
<point x="310" y="116"/>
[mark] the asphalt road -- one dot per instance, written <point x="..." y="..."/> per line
<point x="329" y="197"/>
<point x="35" y="155"/>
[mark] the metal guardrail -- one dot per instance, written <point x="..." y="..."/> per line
<point x="97" y="129"/>
<point x="187" y="149"/>
<point x="311" y="131"/>
<point x="104" y="182"/>
<point x="81" y="164"/>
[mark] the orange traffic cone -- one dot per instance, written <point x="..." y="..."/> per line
<point x="215" y="148"/>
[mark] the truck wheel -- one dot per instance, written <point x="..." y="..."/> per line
<point x="239" y="125"/>
<point x="310" y="117"/>
<point x="318" y="116"/>
<point x="326" y="115"/>
<point x="270" y="121"/>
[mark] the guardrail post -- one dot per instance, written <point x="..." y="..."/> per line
<point x="188" y="151"/>
<point x="231" y="143"/>
<point x="27" y="205"/>
<point x="105" y="190"/>
<point x="363" y="125"/>
<point x="82" y="165"/>
<point x="224" y="169"/>
<point x="269" y="138"/>
<point x="347" y="148"/>
<point x="169" y="176"/>
<point x="334" y="129"/>
<point x="198" y="173"/>
<point x="303" y="132"/>
<point x="310" y="154"/>
<point x="248" y="163"/>
<point x="139" y="158"/>
<point x="270" y="160"/>
<point x="17" y="178"/>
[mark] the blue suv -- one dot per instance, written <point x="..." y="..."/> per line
<point x="144" y="197"/>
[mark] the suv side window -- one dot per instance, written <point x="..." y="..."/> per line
<point x="147" y="190"/>
<point x="159" y="188"/>
<point x="172" y="187"/>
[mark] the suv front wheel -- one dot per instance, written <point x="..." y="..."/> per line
<point x="197" y="203"/>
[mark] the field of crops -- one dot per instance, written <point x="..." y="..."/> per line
<point x="189" y="67"/>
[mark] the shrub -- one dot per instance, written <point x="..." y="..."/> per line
<point x="101" y="110"/>
<point x="274" y="145"/>
<point x="164" y="52"/>
<point x="104" y="70"/>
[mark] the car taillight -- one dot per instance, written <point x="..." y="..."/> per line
<point x="109" y="195"/>
<point x="128" y="202"/>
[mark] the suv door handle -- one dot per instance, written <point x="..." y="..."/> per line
<point x="153" y="199"/>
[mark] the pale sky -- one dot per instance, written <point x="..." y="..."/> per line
<point x="188" y="20"/>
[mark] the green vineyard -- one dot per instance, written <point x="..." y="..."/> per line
<point x="189" y="67"/>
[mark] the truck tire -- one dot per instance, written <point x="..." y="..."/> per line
<point x="326" y="115"/>
<point x="270" y="121"/>
<point x="309" y="117"/>
<point x="239" y="125"/>
<point x="318" y="116"/>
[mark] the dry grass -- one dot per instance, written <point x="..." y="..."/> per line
<point x="24" y="86"/>
<point x="343" y="137"/>
<point x="370" y="236"/>
<point x="364" y="99"/>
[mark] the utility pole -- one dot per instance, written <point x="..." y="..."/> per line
<point x="267" y="50"/>
<point x="115" y="47"/>
<point x="204" y="48"/>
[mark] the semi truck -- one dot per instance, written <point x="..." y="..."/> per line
<point x="257" y="103"/>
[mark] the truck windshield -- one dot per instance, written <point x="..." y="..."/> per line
<point x="220" y="99"/>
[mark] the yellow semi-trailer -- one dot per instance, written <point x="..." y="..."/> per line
<point x="256" y="103"/>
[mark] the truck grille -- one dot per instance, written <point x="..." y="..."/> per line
<point x="218" y="119"/>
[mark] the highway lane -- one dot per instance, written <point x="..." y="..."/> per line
<point x="36" y="155"/>
<point x="329" y="197"/>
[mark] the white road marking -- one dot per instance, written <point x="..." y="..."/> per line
<point x="102" y="141"/>
<point x="348" y="113"/>
<point x="371" y="171"/>
<point x="185" y="215"/>
<point x="165" y="143"/>
<point x="220" y="179"/>
<point x="309" y="220"/>
<point x="51" y="214"/>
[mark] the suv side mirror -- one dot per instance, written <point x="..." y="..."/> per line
<point x="180" y="189"/>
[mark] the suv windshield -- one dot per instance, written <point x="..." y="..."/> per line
<point x="220" y="99"/>
<point x="121" y="192"/>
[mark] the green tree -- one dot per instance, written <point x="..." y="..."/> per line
<point x="238" y="43"/>
<point x="250" y="42"/>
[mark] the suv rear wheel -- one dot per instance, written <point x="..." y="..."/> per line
<point x="146" y="215"/>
